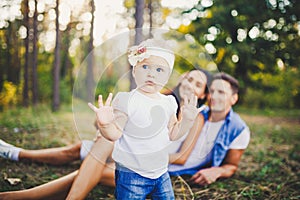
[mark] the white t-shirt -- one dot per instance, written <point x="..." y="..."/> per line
<point x="142" y="147"/>
<point x="202" y="153"/>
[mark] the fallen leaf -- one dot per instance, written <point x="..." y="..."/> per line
<point x="14" y="181"/>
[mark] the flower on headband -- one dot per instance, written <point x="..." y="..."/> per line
<point x="137" y="54"/>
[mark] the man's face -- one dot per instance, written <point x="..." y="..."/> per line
<point x="151" y="74"/>
<point x="221" y="97"/>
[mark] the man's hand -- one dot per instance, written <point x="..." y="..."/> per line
<point x="104" y="113"/>
<point x="206" y="176"/>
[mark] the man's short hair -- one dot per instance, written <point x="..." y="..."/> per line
<point x="230" y="79"/>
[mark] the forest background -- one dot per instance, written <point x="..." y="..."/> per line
<point x="257" y="43"/>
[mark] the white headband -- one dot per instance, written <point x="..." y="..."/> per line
<point x="139" y="53"/>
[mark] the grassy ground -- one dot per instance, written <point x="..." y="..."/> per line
<point x="270" y="167"/>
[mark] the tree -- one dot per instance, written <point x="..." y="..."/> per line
<point x="90" y="64"/>
<point x="25" y="10"/>
<point x="11" y="63"/>
<point x="139" y="21"/>
<point x="56" y="66"/>
<point x="248" y="39"/>
<point x="35" y="57"/>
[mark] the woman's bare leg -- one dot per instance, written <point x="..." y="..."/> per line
<point x="108" y="176"/>
<point x="59" y="188"/>
<point x="54" y="156"/>
<point x="92" y="169"/>
<point x="56" y="189"/>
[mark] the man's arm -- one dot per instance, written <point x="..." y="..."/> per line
<point x="227" y="169"/>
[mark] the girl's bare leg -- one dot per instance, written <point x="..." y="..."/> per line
<point x="55" y="156"/>
<point x="56" y="189"/>
<point x="92" y="169"/>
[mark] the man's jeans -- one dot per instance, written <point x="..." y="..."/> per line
<point x="130" y="185"/>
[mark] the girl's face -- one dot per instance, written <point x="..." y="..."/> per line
<point x="193" y="83"/>
<point x="151" y="74"/>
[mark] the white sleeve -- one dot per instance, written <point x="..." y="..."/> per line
<point x="241" y="141"/>
<point x="120" y="102"/>
<point x="173" y="104"/>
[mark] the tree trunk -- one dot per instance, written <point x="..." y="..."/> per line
<point x="56" y="67"/>
<point x="90" y="77"/>
<point x="150" y="17"/>
<point x="34" y="59"/>
<point x="139" y="21"/>
<point x="26" y="62"/>
<point x="2" y="64"/>
<point x="13" y="65"/>
<point x="8" y="58"/>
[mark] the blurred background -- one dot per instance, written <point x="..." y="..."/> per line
<point x="44" y="42"/>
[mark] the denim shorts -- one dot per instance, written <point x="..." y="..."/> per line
<point x="130" y="185"/>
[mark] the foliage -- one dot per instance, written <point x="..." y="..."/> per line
<point x="46" y="88"/>
<point x="259" y="39"/>
<point x="257" y="43"/>
<point x="274" y="91"/>
<point x="8" y="95"/>
<point x="105" y="85"/>
<point x="13" y="32"/>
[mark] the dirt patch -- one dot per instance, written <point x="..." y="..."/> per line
<point x="258" y="120"/>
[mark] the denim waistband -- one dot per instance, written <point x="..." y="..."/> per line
<point x="121" y="167"/>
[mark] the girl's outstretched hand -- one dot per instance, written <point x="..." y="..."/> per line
<point x="104" y="113"/>
<point x="189" y="109"/>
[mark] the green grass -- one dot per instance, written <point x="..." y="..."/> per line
<point x="269" y="168"/>
<point x="267" y="112"/>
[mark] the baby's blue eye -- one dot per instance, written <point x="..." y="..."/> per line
<point x="145" y="66"/>
<point x="159" y="69"/>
